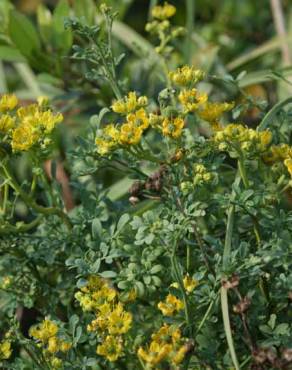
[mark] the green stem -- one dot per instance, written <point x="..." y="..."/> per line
<point x="31" y="202"/>
<point x="188" y="264"/>
<point x="5" y="198"/>
<point x="224" y="294"/>
<point x="242" y="172"/>
<point x="227" y="326"/>
<point x="205" y="316"/>
<point x="190" y="20"/>
<point x="179" y="280"/>
<point x="244" y="177"/>
<point x="269" y="116"/>
<point x="7" y="228"/>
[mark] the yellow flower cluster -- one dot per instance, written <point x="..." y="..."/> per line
<point x="192" y="100"/>
<point x="129" y="104"/>
<point x="28" y="125"/>
<point x="8" y="102"/>
<point x="6" y="282"/>
<point x="236" y="137"/>
<point x="111" y="348"/>
<point x="5" y="350"/>
<point x="172" y="127"/>
<point x="166" y="345"/>
<point x="280" y="153"/>
<point x="212" y="112"/>
<point x="201" y="174"/>
<point x="46" y="333"/>
<point x="171" y="305"/>
<point x="112" y="321"/>
<point x="189" y="284"/>
<point x="131" y="131"/>
<point x="186" y="76"/>
<point x="163" y="12"/>
<point x="96" y="293"/>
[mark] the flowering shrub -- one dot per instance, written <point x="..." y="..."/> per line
<point x="191" y="270"/>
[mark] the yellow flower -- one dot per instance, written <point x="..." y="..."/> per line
<point x="288" y="164"/>
<point x="27" y="111"/>
<point x="186" y="75"/>
<point x="130" y="134"/>
<point x="95" y="294"/>
<point x="163" y="12"/>
<point x="6" y="282"/>
<point x="265" y="138"/>
<point x="172" y="127"/>
<point x="211" y="112"/>
<point x="24" y="137"/>
<point x="163" y="346"/>
<point x="6" y="123"/>
<point x="48" y="120"/>
<point x="44" y="331"/>
<point x="56" y="363"/>
<point x="5" y="350"/>
<point x="53" y="344"/>
<point x="31" y="125"/>
<point x="138" y="119"/>
<point x="243" y="137"/>
<point x="179" y="355"/>
<point x="112" y="132"/>
<point x="107" y="139"/>
<point x="65" y="346"/>
<point x="278" y="153"/>
<point x="171" y="305"/>
<point x="111" y="348"/>
<point x="119" y="321"/>
<point x="8" y="102"/>
<point x="191" y="100"/>
<point x="129" y="103"/>
<point x="189" y="283"/>
<point x="157" y="353"/>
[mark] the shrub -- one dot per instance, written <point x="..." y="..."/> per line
<point x="191" y="270"/>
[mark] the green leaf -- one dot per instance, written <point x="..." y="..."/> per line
<point x="96" y="228"/>
<point x="122" y="222"/>
<point x="140" y="288"/>
<point x="86" y="9"/>
<point x="23" y="34"/>
<point x="44" y="18"/>
<point x="155" y="269"/>
<point x="282" y="329"/>
<point x="62" y="38"/>
<point x="11" y="54"/>
<point x="73" y="323"/>
<point x="108" y="274"/>
<point x="272" y="321"/>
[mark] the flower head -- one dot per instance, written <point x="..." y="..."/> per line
<point x="7" y="123"/>
<point x="186" y="76"/>
<point x="189" y="283"/>
<point x="163" y="12"/>
<point x="119" y="321"/>
<point x="129" y="103"/>
<point x="8" y="102"/>
<point x="44" y="331"/>
<point x="171" y="305"/>
<point x="172" y="127"/>
<point x="5" y="350"/>
<point x="212" y="112"/>
<point x="191" y="100"/>
<point x="111" y="348"/>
